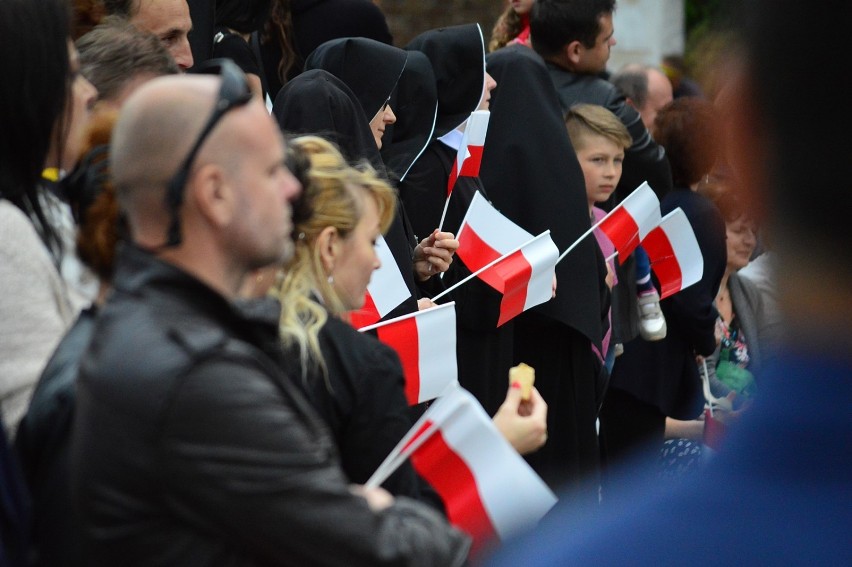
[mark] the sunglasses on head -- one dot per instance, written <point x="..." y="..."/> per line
<point x="233" y="93"/>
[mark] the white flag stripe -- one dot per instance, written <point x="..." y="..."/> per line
<point x="685" y="246"/>
<point x="513" y="495"/>
<point x="436" y="335"/>
<point x="644" y="207"/>
<point x="387" y="286"/>
<point x="477" y="127"/>
<point x="407" y="316"/>
<point x="491" y="226"/>
<point x="541" y="255"/>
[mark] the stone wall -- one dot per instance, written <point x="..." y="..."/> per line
<point x="408" y="18"/>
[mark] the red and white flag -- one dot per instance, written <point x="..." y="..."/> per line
<point x="674" y="253"/>
<point x="426" y="344"/>
<point x="488" y="489"/>
<point x="469" y="157"/>
<point x="525" y="277"/>
<point x="631" y="221"/>
<point x="386" y="290"/>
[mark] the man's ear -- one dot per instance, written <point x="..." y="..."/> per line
<point x="573" y="53"/>
<point x="214" y="195"/>
<point x="329" y="246"/>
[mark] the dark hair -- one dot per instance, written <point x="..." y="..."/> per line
<point x="116" y="52"/>
<point x="244" y="16"/>
<point x="556" y="23"/>
<point x="34" y="55"/>
<point x="87" y="14"/>
<point x="279" y="29"/>
<point x="632" y="81"/>
<point x="123" y="8"/>
<point x="690" y="131"/>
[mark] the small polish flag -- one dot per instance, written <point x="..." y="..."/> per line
<point x="488" y="490"/>
<point x="525" y="276"/>
<point x="386" y="290"/>
<point x="426" y="344"/>
<point x="631" y="221"/>
<point x="674" y="252"/>
<point x="469" y="157"/>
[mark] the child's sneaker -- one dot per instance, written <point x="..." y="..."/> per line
<point x="652" y="323"/>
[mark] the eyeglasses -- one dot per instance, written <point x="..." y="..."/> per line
<point x="233" y="93"/>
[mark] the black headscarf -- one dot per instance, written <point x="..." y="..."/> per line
<point x="317" y="102"/>
<point x="244" y="16"/>
<point x="368" y="67"/>
<point x="532" y="176"/>
<point x="457" y="54"/>
<point x="415" y="103"/>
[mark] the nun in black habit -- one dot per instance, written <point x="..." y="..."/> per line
<point x="317" y="102"/>
<point x="372" y="70"/>
<point x="533" y="177"/>
<point x="457" y="57"/>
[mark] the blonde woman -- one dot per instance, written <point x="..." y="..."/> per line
<point x="353" y="380"/>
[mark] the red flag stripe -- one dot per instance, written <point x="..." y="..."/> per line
<point x="454" y="173"/>
<point x="476" y="254"/>
<point x="403" y="338"/>
<point x="367" y="315"/>
<point x="451" y="477"/>
<point x="470" y="166"/>
<point x="663" y="261"/>
<point x="622" y="231"/>
<point x="516" y="271"/>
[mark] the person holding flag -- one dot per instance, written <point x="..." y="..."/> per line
<point x="355" y="382"/>
<point x="534" y="179"/>
<point x="656" y="380"/>
<point x="600" y="140"/>
<point x="371" y="70"/>
<point x="457" y="57"/>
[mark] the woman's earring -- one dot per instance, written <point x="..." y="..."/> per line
<point x="330" y="279"/>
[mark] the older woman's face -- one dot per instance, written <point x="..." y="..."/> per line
<point x="742" y="239"/>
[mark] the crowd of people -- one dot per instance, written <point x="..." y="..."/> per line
<point x="188" y="237"/>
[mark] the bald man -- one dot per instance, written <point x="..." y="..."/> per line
<point x="191" y="445"/>
<point x="646" y="88"/>
<point x="169" y="20"/>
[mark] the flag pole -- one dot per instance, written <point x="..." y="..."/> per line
<point x="444" y="214"/>
<point x="403" y="317"/>
<point x="611" y="258"/>
<point x="389" y="466"/>
<point x="588" y="232"/>
<point x="487" y="266"/>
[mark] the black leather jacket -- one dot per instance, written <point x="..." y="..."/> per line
<point x="191" y="447"/>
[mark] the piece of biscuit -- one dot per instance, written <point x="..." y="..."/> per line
<point x="525" y="375"/>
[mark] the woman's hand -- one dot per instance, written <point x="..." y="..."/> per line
<point x="522" y="423"/>
<point x="434" y="254"/>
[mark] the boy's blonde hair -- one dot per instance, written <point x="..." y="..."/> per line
<point x="582" y="120"/>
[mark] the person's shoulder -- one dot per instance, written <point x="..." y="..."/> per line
<point x="16" y="230"/>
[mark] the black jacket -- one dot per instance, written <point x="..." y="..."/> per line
<point x="43" y="443"/>
<point x="192" y="447"/>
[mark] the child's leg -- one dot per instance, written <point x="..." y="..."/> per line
<point x="643" y="271"/>
<point x="652" y="323"/>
